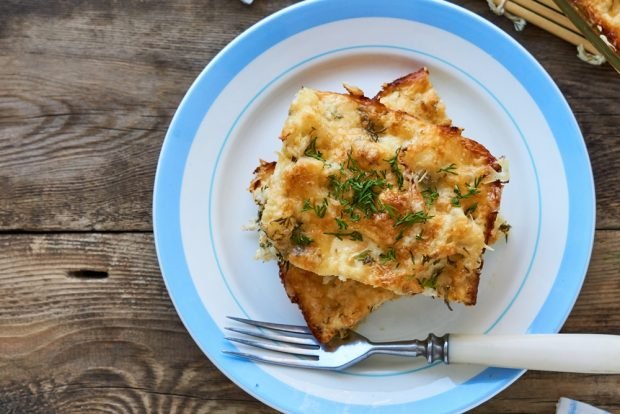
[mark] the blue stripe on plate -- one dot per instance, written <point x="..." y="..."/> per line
<point x="223" y="68"/>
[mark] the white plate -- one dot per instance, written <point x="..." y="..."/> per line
<point x="231" y="117"/>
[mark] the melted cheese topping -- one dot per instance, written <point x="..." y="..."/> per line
<point x="380" y="197"/>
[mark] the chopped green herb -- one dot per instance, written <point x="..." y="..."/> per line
<point x="319" y="209"/>
<point x="470" y="210"/>
<point x="388" y="256"/>
<point x="354" y="216"/>
<point x="354" y="235"/>
<point x="412" y="257"/>
<point x="352" y="164"/>
<point x="448" y="169"/>
<point x="392" y="212"/>
<point x="395" y="170"/>
<point x="472" y="190"/>
<point x="298" y="238"/>
<point x="419" y="235"/>
<point x="477" y="181"/>
<point x="425" y="259"/>
<point x="312" y="152"/>
<point x="338" y="188"/>
<point x="410" y="219"/>
<point x="342" y="225"/>
<point x="430" y="196"/>
<point x="431" y="282"/>
<point x="365" y="193"/>
<point x="284" y="221"/>
<point x="359" y="192"/>
<point x="369" y="125"/>
<point x="365" y="257"/>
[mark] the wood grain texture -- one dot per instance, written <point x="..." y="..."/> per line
<point x="88" y="90"/>
<point x="110" y="344"/>
<point x="115" y="344"/>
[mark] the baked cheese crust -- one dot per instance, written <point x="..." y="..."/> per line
<point x="330" y="306"/>
<point x="380" y="197"/>
<point x="603" y="15"/>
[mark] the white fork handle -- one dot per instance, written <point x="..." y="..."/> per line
<point x="585" y="353"/>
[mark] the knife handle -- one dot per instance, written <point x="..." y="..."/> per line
<point x="584" y="353"/>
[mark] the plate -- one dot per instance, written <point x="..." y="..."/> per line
<point x="231" y="117"/>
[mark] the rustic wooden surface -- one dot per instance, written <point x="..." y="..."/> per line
<point x="87" y="90"/>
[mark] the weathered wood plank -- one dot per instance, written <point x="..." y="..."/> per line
<point x="72" y="344"/>
<point x="89" y="88"/>
<point x="87" y="92"/>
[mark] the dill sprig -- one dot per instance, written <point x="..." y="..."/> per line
<point x="472" y="190"/>
<point x="354" y="235"/>
<point x="366" y="192"/>
<point x="342" y="225"/>
<point x="319" y="209"/>
<point x="390" y="210"/>
<point x="299" y="238"/>
<point x="430" y="195"/>
<point x="359" y="192"/>
<point x="388" y="256"/>
<point x="364" y="257"/>
<point x="395" y="170"/>
<point x="410" y="219"/>
<point x="449" y="169"/>
<point x="352" y="164"/>
<point x="369" y="125"/>
<point x="431" y="282"/>
<point x="312" y="152"/>
<point x="470" y="210"/>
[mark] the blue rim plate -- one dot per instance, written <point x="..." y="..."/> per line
<point x="229" y="119"/>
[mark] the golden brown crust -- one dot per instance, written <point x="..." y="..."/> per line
<point x="359" y="143"/>
<point x="415" y="95"/>
<point x="330" y="306"/>
<point x="603" y="16"/>
<point x="261" y="174"/>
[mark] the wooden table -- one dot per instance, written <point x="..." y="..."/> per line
<point x="87" y="90"/>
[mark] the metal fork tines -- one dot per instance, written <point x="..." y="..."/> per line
<point x="295" y="346"/>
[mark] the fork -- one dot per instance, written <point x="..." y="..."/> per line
<point x="295" y="346"/>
